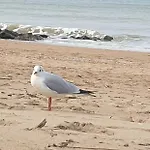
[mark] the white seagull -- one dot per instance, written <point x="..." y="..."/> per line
<point x="52" y="85"/>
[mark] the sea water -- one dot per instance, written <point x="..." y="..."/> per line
<point x="128" y="21"/>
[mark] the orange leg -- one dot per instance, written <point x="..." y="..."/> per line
<point x="49" y="104"/>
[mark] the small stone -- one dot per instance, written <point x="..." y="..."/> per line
<point x="126" y="145"/>
<point x="9" y="95"/>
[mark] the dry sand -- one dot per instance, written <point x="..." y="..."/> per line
<point x="117" y="118"/>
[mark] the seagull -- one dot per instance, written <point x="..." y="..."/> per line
<point x="51" y="85"/>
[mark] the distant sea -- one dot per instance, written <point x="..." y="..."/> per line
<point x="128" y="21"/>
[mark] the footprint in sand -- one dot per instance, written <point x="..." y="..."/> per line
<point x="83" y="127"/>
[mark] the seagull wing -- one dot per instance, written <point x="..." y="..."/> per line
<point x="59" y="85"/>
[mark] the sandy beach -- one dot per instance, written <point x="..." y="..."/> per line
<point x="117" y="118"/>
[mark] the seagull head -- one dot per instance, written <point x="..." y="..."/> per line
<point x="37" y="69"/>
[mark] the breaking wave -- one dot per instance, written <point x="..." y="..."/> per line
<point x="53" y="32"/>
<point x="62" y="36"/>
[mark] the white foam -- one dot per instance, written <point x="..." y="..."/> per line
<point x="51" y="31"/>
<point x="3" y="26"/>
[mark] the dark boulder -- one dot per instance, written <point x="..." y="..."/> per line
<point x="7" y="34"/>
<point x="28" y="37"/>
<point x="44" y="36"/>
<point x="107" y="38"/>
<point x="85" y="37"/>
<point x="82" y="37"/>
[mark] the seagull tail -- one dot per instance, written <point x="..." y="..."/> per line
<point x="86" y="92"/>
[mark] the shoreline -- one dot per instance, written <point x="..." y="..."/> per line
<point x="124" y="41"/>
<point x="73" y="47"/>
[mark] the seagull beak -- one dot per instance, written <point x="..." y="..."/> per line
<point x="35" y="73"/>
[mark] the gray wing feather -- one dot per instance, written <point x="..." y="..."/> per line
<point x="59" y="85"/>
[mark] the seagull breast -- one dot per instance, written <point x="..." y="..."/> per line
<point x="38" y="84"/>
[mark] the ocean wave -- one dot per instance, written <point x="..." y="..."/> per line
<point x="65" y="33"/>
<point x="53" y="32"/>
